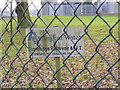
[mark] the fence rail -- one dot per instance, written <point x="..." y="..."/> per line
<point x="71" y="51"/>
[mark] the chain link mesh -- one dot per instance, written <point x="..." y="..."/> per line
<point x="98" y="68"/>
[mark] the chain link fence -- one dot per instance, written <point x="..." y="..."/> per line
<point x="71" y="51"/>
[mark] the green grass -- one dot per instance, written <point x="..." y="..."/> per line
<point x="75" y="22"/>
<point x="97" y="65"/>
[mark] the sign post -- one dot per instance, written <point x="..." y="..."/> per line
<point x="57" y="65"/>
<point x="58" y="75"/>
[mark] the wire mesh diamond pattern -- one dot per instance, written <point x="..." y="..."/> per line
<point x="25" y="62"/>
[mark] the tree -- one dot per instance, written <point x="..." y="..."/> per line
<point x="23" y="19"/>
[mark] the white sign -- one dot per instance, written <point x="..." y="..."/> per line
<point x="55" y="42"/>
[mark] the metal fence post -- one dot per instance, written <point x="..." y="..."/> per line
<point x="11" y="17"/>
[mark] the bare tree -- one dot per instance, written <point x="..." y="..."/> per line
<point x="23" y="15"/>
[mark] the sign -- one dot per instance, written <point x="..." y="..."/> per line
<point x="55" y="42"/>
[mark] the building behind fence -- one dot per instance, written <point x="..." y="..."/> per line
<point x="65" y="9"/>
<point x="84" y="9"/>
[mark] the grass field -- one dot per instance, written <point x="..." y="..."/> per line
<point x="14" y="57"/>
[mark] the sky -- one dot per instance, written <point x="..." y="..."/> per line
<point x="3" y="2"/>
<point x="36" y="2"/>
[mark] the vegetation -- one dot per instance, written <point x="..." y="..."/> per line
<point x="14" y="57"/>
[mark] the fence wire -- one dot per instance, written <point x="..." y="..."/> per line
<point x="97" y="66"/>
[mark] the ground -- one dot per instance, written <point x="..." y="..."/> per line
<point x="98" y="64"/>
